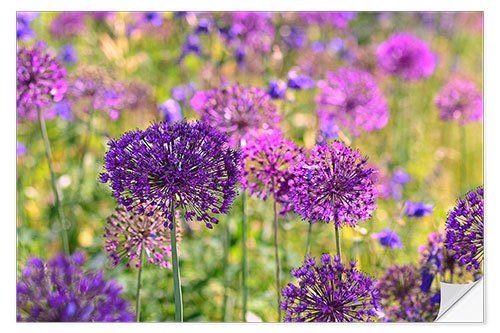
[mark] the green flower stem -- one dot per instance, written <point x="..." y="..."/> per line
<point x="277" y="255"/>
<point x="84" y="149"/>
<point x="244" y="262"/>
<point x="308" y="240"/>
<point x="337" y="241"/>
<point x="48" y="153"/>
<point x="175" y="268"/>
<point x="138" y="293"/>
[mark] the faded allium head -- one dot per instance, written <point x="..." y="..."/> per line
<point x="40" y="80"/>
<point x="186" y="165"/>
<point x="460" y="101"/>
<point x="60" y="290"/>
<point x="68" y="25"/>
<point x="351" y="98"/>
<point x="128" y="233"/>
<point x="236" y="110"/>
<point x="330" y="292"/>
<point x="465" y="229"/>
<point x="406" y="56"/>
<point x="402" y="298"/>
<point x="266" y="156"/>
<point x="333" y="185"/>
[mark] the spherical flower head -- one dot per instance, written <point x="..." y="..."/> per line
<point x="402" y="298"/>
<point x="253" y="30"/>
<point x="333" y="185"/>
<point x="406" y="56"/>
<point x="465" y="229"/>
<point x="388" y="238"/>
<point x="181" y="165"/>
<point x="127" y="233"/>
<point x="40" y="80"/>
<point x="417" y="209"/>
<point x="266" y="157"/>
<point x="351" y="98"/>
<point x="236" y="110"/>
<point x="330" y="292"/>
<point x="460" y="101"/>
<point x="68" y="25"/>
<point x="61" y="291"/>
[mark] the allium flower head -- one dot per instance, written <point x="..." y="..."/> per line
<point x="330" y="292"/>
<point x="40" y="81"/>
<point x="254" y="30"/>
<point x="188" y="165"/>
<point x="60" y="290"/>
<point x="128" y="233"/>
<point x="459" y="100"/>
<point x="333" y="185"/>
<point x="266" y="156"/>
<point x="388" y="238"/>
<point x="465" y="229"/>
<point x="402" y="298"/>
<point x="417" y="209"/>
<point x="406" y="56"/>
<point x="351" y="98"/>
<point x="236" y="110"/>
<point x="68" y="25"/>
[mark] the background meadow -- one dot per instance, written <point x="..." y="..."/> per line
<point x="150" y="55"/>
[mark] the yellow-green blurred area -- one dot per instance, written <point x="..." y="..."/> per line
<point x="443" y="159"/>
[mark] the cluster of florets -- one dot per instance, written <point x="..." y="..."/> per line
<point x="236" y="110"/>
<point x="460" y="101"/>
<point x="351" y="98"/>
<point x="406" y="56"/>
<point x="333" y="185"/>
<point x="68" y="25"/>
<point x="330" y="292"/>
<point x="60" y="290"/>
<point x="266" y="156"/>
<point x="128" y="233"/>
<point x="181" y="165"/>
<point x="465" y="229"/>
<point x="40" y="80"/>
<point x="402" y="297"/>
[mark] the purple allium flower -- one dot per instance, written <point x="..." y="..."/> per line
<point x="351" y="97"/>
<point x="330" y="292"/>
<point x="300" y="81"/>
<point x="338" y="20"/>
<point x="417" y="209"/>
<point x="20" y="149"/>
<point x="236" y="110"/>
<point x="68" y="25"/>
<point x="459" y="100"/>
<point x="23" y="21"/>
<point x="39" y="81"/>
<point x="402" y="298"/>
<point x="265" y="159"/>
<point x="60" y="291"/>
<point x="128" y="233"/>
<point x="188" y="165"/>
<point x="295" y="38"/>
<point x="253" y="30"/>
<point x="155" y="18"/>
<point x="333" y="185"/>
<point x="388" y="238"/>
<point x="277" y="89"/>
<point x="68" y="54"/>
<point x="406" y="56"/>
<point x="465" y="229"/>
<point x="170" y="111"/>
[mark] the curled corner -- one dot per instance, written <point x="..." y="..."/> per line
<point x="461" y="302"/>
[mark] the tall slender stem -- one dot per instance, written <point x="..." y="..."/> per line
<point x="81" y="167"/>
<point x="337" y="241"/>
<point x="308" y="240"/>
<point x="139" y="285"/>
<point x="175" y="267"/>
<point x="48" y="153"/>
<point x="244" y="262"/>
<point x="277" y="255"/>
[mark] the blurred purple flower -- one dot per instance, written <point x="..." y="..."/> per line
<point x="63" y="110"/>
<point x="204" y="25"/>
<point x="400" y="176"/>
<point x="344" y="197"/>
<point x="459" y="100"/>
<point x="23" y="21"/>
<point x="155" y="18"/>
<point x="338" y="20"/>
<point x="330" y="292"/>
<point x="191" y="45"/>
<point x="277" y="89"/>
<point x="295" y="38"/>
<point x="406" y="56"/>
<point x="68" y="54"/>
<point x="182" y="93"/>
<point x="465" y="229"/>
<point x="328" y="131"/>
<point x="170" y="111"/>
<point x="318" y="46"/>
<point x="68" y="25"/>
<point x="417" y="209"/>
<point x="60" y="291"/>
<point x="351" y="97"/>
<point x="20" y="149"/>
<point x="388" y="238"/>
<point x="300" y="81"/>
<point x="251" y="30"/>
